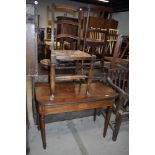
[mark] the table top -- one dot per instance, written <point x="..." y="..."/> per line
<point x="70" y="93"/>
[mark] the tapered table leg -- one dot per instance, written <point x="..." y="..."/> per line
<point x="38" y="122"/>
<point x="107" y="119"/>
<point x="37" y="117"/>
<point x="95" y="112"/>
<point x="43" y="134"/>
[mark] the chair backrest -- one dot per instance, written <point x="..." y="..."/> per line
<point x="117" y="48"/>
<point x="117" y="57"/>
<point x="118" y="78"/>
<point x="67" y="28"/>
<point x="95" y="33"/>
<point x="125" y="47"/>
<point x="112" y="37"/>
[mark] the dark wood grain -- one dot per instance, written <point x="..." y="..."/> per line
<point x="65" y="93"/>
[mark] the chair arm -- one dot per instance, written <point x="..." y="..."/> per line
<point x="123" y="96"/>
<point x="116" y="87"/>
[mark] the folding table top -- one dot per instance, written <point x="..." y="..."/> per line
<point x="69" y="92"/>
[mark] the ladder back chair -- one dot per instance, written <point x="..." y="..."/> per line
<point x="95" y="32"/>
<point x="77" y="58"/>
<point x="67" y="29"/>
<point x="118" y="79"/>
<point x="111" y="36"/>
<point x="111" y="39"/>
<point x="115" y="59"/>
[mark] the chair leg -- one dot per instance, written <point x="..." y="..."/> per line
<point x="43" y="134"/>
<point x="107" y="119"/>
<point x="95" y="112"/>
<point x="118" y="121"/>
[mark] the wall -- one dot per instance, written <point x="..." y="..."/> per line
<point x="123" y="25"/>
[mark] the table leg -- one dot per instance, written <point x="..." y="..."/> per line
<point x="38" y="122"/>
<point x="43" y="134"/>
<point x="37" y="115"/>
<point x="95" y="112"/>
<point x="107" y="119"/>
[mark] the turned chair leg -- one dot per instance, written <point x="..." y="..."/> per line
<point x="107" y="119"/>
<point x="43" y="134"/>
<point x="118" y="121"/>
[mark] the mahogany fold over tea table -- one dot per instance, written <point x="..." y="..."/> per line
<point x="72" y="97"/>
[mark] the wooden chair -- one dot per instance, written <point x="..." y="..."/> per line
<point x="100" y="33"/>
<point x="67" y="29"/>
<point x="118" y="79"/>
<point x="77" y="61"/>
<point x="116" y="58"/>
<point x="95" y="32"/>
<point x="125" y="47"/>
<point x="112" y="28"/>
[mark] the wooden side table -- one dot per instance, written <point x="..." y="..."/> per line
<point x="72" y="97"/>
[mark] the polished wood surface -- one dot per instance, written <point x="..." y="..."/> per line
<point x="68" y="93"/>
<point x="72" y="97"/>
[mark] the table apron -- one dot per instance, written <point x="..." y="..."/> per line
<point x="46" y="110"/>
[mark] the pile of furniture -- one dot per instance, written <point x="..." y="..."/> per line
<point x="74" y="49"/>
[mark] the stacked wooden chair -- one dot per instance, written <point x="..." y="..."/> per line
<point x="66" y="29"/>
<point x="95" y="30"/>
<point x="118" y="79"/>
